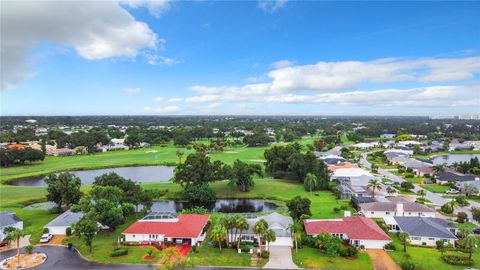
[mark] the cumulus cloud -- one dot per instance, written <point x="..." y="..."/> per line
<point x="166" y="109"/>
<point x="155" y="7"/>
<point x="282" y="64"/>
<point x="270" y="6"/>
<point x="95" y="29"/>
<point x="132" y="90"/>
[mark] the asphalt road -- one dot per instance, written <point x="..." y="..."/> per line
<point x="433" y="197"/>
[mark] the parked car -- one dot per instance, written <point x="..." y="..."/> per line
<point x="476" y="230"/>
<point x="2" y="244"/>
<point x="452" y="191"/>
<point x="46" y="238"/>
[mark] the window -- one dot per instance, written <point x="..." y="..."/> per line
<point x="415" y="238"/>
<point x="431" y="238"/>
<point x="445" y="240"/>
<point x="387" y="213"/>
<point x="133" y="236"/>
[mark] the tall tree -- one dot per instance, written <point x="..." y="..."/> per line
<point x="310" y="182"/>
<point x="270" y="236"/>
<point x="63" y="189"/>
<point x="197" y="169"/>
<point x="259" y="228"/>
<point x="241" y="175"/>
<point x="242" y="225"/>
<point x="470" y="242"/>
<point x="218" y="234"/>
<point x="298" y="207"/>
<point x="404" y="237"/>
<point x="374" y="184"/>
<point x="86" y="228"/>
<point x="14" y="235"/>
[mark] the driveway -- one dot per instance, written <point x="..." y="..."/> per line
<point x="280" y="258"/>
<point x="381" y="260"/>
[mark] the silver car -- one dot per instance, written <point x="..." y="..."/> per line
<point x="46" y="238"/>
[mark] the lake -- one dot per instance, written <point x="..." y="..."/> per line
<point x="452" y="158"/>
<point x="221" y="205"/>
<point x="141" y="174"/>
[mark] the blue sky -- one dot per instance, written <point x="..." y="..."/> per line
<point x="275" y="57"/>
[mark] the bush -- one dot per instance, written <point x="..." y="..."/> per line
<point x="407" y="265"/>
<point x="457" y="260"/>
<point x="447" y="208"/>
<point x="55" y="210"/>
<point x="68" y="231"/>
<point x="391" y="246"/>
<point x="70" y="245"/>
<point x="462" y="217"/>
<point x="118" y="252"/>
<point x="29" y="249"/>
<point x="343" y="207"/>
<point x="336" y="209"/>
<point x="198" y="194"/>
<point x="195" y="210"/>
<point x="308" y="240"/>
<point x="45" y="230"/>
<point x="348" y="251"/>
<point x="265" y="254"/>
<point x="409" y="175"/>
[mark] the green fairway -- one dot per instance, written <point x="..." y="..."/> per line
<point x="155" y="155"/>
<point x="308" y="257"/>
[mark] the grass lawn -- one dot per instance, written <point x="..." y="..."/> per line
<point x="428" y="258"/>
<point x="436" y="188"/>
<point x="211" y="256"/>
<point x="103" y="244"/>
<point x="164" y="156"/>
<point x="308" y="257"/>
<point x="322" y="205"/>
<point x="475" y="198"/>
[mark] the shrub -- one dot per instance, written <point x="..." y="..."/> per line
<point x="118" y="252"/>
<point x="336" y="209"/>
<point x="462" y="217"/>
<point x="391" y="246"/>
<point x="195" y="210"/>
<point x="68" y="231"/>
<point x="195" y="249"/>
<point x="409" y="175"/>
<point x="265" y="254"/>
<point x="343" y="207"/>
<point x="349" y="251"/>
<point x="308" y="240"/>
<point x="70" y="245"/>
<point x="198" y="194"/>
<point x="45" y="230"/>
<point x="29" y="249"/>
<point x="457" y="260"/>
<point x="407" y="265"/>
<point x="447" y="208"/>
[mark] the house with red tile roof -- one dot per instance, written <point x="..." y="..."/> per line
<point x="359" y="231"/>
<point x="16" y="146"/>
<point x="161" y="228"/>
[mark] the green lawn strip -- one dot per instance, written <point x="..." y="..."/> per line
<point x="436" y="188"/>
<point x="469" y="226"/>
<point x="448" y="153"/>
<point x="105" y="241"/>
<point x="15" y="194"/>
<point x="211" y="256"/>
<point x="308" y="257"/>
<point x="427" y="258"/>
<point x="475" y="198"/>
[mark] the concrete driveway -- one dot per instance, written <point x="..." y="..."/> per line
<point x="280" y="258"/>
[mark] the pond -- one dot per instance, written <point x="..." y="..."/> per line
<point x="452" y="158"/>
<point x="221" y="205"/>
<point x="141" y="174"/>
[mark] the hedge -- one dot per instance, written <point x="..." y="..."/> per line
<point x="119" y="252"/>
<point x="457" y="260"/>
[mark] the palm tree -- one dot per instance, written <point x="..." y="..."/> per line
<point x="15" y="234"/>
<point x="229" y="223"/>
<point x="270" y="236"/>
<point x="421" y="193"/>
<point x="242" y="225"/>
<point x="391" y="190"/>
<point x="374" y="184"/>
<point x="404" y="237"/>
<point x="296" y="229"/>
<point x="259" y="229"/>
<point x="438" y="169"/>
<point x="180" y="155"/>
<point x="310" y="182"/>
<point x="469" y="242"/>
<point x="219" y="233"/>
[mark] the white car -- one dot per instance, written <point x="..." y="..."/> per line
<point x="46" y="238"/>
<point x="452" y="191"/>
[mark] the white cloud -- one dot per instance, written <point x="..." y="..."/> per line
<point x="282" y="64"/>
<point x="173" y="100"/>
<point x="166" y="109"/>
<point x="95" y="29"/>
<point x="270" y="6"/>
<point x="155" y="7"/>
<point x="132" y="90"/>
<point x="160" y="99"/>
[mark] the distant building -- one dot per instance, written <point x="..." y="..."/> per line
<point x="16" y="146"/>
<point x="62" y="152"/>
<point x="395" y="206"/>
<point x="388" y="135"/>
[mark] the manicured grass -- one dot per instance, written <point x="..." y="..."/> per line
<point x="164" y="156"/>
<point x="211" y="256"/>
<point x="446" y="153"/>
<point x="105" y="241"/>
<point x="344" y="139"/>
<point x="322" y="205"/>
<point x="14" y="194"/>
<point x="436" y="188"/>
<point x="428" y="258"/>
<point x="308" y="257"/>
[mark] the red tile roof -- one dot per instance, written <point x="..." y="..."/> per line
<point x="355" y="227"/>
<point x="187" y="226"/>
<point x="16" y="146"/>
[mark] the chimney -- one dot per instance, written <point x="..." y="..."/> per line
<point x="399" y="209"/>
<point x="347" y="213"/>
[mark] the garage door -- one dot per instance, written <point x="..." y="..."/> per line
<point x="282" y="241"/>
<point x="57" y="230"/>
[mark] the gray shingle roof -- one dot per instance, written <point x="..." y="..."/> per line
<point x="8" y="218"/>
<point x="277" y="222"/>
<point x="427" y="227"/>
<point x="68" y="218"/>
<point x="392" y="206"/>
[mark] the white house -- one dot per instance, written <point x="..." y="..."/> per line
<point x="360" y="231"/>
<point x="395" y="207"/>
<point x="9" y="219"/>
<point x="188" y="229"/>
<point x="59" y="225"/>
<point x="424" y="231"/>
